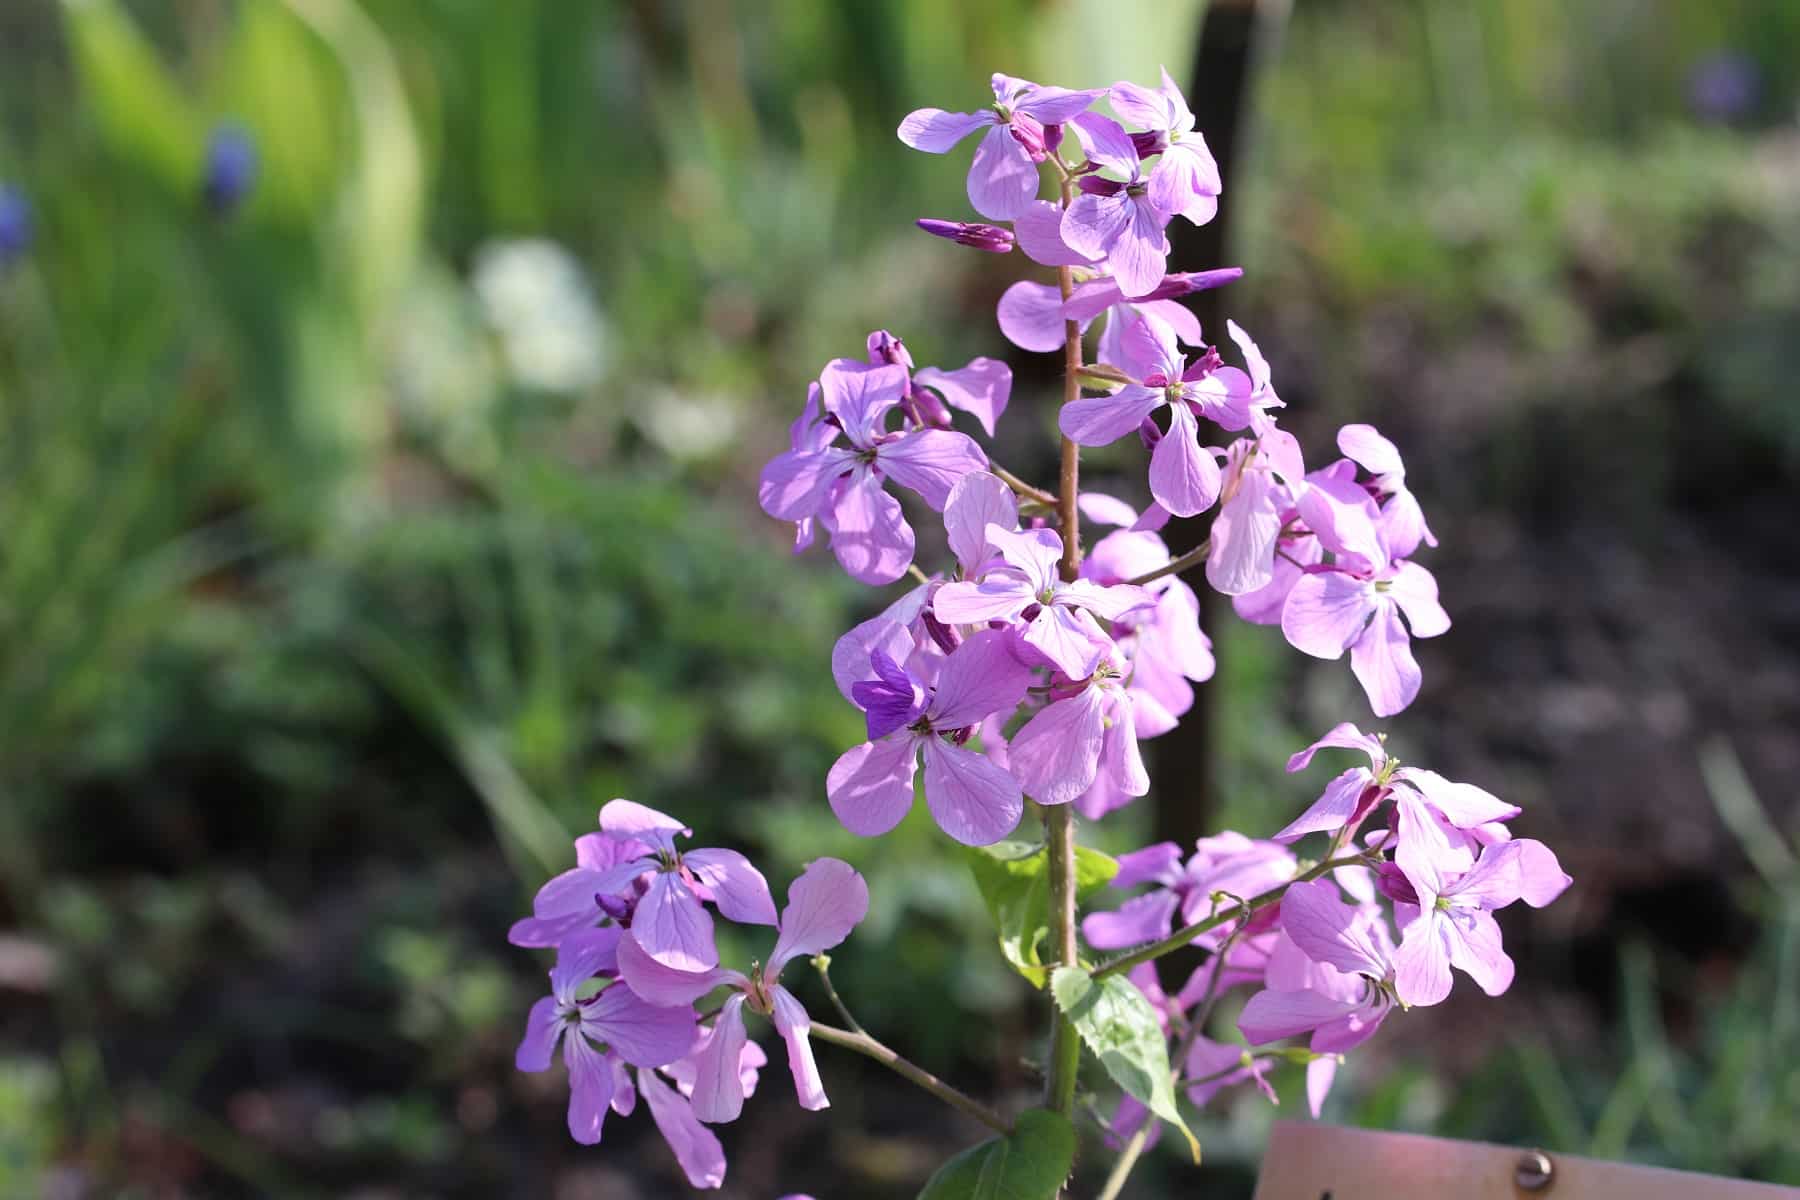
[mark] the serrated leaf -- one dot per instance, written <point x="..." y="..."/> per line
<point x="1031" y="1163"/>
<point x="1117" y="1023"/>
<point x="1014" y="881"/>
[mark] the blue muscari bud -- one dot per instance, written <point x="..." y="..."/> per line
<point x="15" y="224"/>
<point x="230" y="168"/>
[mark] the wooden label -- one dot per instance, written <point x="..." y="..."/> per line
<point x="1307" y="1161"/>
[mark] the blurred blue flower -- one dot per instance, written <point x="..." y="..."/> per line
<point x="1724" y="86"/>
<point x="231" y="165"/>
<point x="15" y="224"/>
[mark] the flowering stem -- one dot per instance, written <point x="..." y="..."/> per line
<point x="868" y="1047"/>
<point x="822" y="963"/>
<point x="1182" y="937"/>
<point x="1059" y="819"/>
<point x="1025" y="490"/>
<point x="1175" y="566"/>
<point x="1115" y="1180"/>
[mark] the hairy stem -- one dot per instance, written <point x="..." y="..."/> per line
<point x="1021" y="488"/>
<point x="1182" y="937"/>
<point x="1059" y="820"/>
<point x="868" y="1047"/>
<point x="1176" y="566"/>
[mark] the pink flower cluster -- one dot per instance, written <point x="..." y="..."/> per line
<point x="635" y="950"/>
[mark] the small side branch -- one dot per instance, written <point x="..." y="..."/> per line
<point x="868" y="1047"/>
<point x="1021" y="488"/>
<point x="1176" y="566"/>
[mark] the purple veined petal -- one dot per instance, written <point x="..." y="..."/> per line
<point x="999" y="597"/>
<point x="1111" y="601"/>
<point x="861" y="395"/>
<point x="1141" y="106"/>
<point x="1101" y="798"/>
<point x="971" y="799"/>
<point x="1141" y="919"/>
<point x="1124" y="554"/>
<point x="1263" y="606"/>
<point x="673" y="927"/>
<point x="718" y="1089"/>
<point x="793" y="485"/>
<point x="1244" y="536"/>
<point x="573" y="891"/>
<point x="1541" y="877"/>
<point x="930" y="461"/>
<point x="1493" y="882"/>
<point x="979" y="499"/>
<point x="535" y="933"/>
<point x="1320" y="1074"/>
<point x="641" y="1033"/>
<point x="582" y="956"/>
<point x="1462" y="804"/>
<point x="980" y="677"/>
<point x="1343" y="736"/>
<point x="825" y="903"/>
<point x="1202" y="210"/>
<point x="1327" y="930"/>
<point x="1270" y="1016"/>
<point x="1093" y="224"/>
<point x="809" y="430"/>
<point x="937" y="132"/>
<point x="696" y="1149"/>
<point x="1140" y="255"/>
<point x="1416" y="592"/>
<point x="1093" y="297"/>
<point x="1068" y="638"/>
<point x="1120" y="761"/>
<point x="1056" y="105"/>
<point x="1039" y="233"/>
<point x="541" y="1031"/>
<point x="739" y="890"/>
<point x="1184" y="174"/>
<point x="1354" y="1027"/>
<point x="1102" y="509"/>
<point x="1102" y="420"/>
<point x="1184" y="477"/>
<point x="1160" y="697"/>
<point x="1003" y="181"/>
<point x="1364" y="446"/>
<point x="626" y="818"/>
<point x="1106" y="143"/>
<point x="850" y="657"/>
<point x="871" y="785"/>
<point x="1034" y="553"/>
<point x="1057" y="754"/>
<point x="1422" y="964"/>
<point x="891" y="702"/>
<point x="1403" y="524"/>
<point x="1423" y="850"/>
<point x="1325" y="612"/>
<point x="1177" y="316"/>
<point x="590" y="1089"/>
<point x="1332" y="810"/>
<point x="625" y="1092"/>
<point x="1160" y="863"/>
<point x="1154" y="517"/>
<point x="666" y="986"/>
<point x="603" y="850"/>
<point x="980" y="389"/>
<point x="869" y="533"/>
<point x="1031" y="316"/>
<point x="792" y="1023"/>
<point x="1475" y="949"/>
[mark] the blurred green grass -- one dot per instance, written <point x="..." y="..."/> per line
<point x="394" y="523"/>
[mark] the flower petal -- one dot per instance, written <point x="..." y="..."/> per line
<point x="1003" y="181"/>
<point x="869" y="533"/>
<point x="937" y="132"/>
<point x="1031" y="316"/>
<point x="673" y="927"/>
<point x="696" y="1149"/>
<point x="539" y="1043"/>
<point x="871" y="785"/>
<point x="793" y="485"/>
<point x="825" y="903"/>
<point x="1057" y="754"/>
<point x="739" y="890"/>
<point x="980" y="389"/>
<point x="1184" y="478"/>
<point x="980" y="677"/>
<point x="979" y="499"/>
<point x="930" y="461"/>
<point x="1325" y="612"/>
<point x="590" y="1089"/>
<point x="643" y="1034"/>
<point x="1102" y="420"/>
<point x="972" y="799"/>
<point x="666" y="986"/>
<point x="792" y="1023"/>
<point x="718" y="1087"/>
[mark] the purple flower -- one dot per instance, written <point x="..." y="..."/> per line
<point x="1004" y="176"/>
<point x="1227" y="864"/>
<point x="574" y="903"/>
<point x="230" y="170"/>
<point x="599" y="1034"/>
<point x="1079" y="739"/>
<point x="972" y="799"/>
<point x="1255" y="496"/>
<point x="1402" y="520"/>
<point x="1341" y="1006"/>
<point x="992" y="238"/>
<point x="696" y="1148"/>
<point x="16" y="225"/>
<point x="1185" y="179"/>
<point x="824" y="905"/>
<point x="1454" y="923"/>
<point x="668" y="919"/>
<point x="1114" y="219"/>
<point x="842" y="485"/>
<point x="1056" y="618"/>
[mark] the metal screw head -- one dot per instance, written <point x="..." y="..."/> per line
<point x="1534" y="1172"/>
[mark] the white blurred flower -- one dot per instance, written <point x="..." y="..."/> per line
<point x="536" y="298"/>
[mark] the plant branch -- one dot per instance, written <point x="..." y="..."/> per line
<point x="1176" y="566"/>
<point x="1115" y="1180"/>
<point x="1025" y="490"/>
<point x="1182" y="937"/>
<point x="822" y="964"/>
<point x="868" y="1047"/>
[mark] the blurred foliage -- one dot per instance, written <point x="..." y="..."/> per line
<point x="403" y="513"/>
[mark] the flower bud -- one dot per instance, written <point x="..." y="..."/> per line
<point x="16" y="225"/>
<point x="231" y="168"/>
<point x="992" y="238"/>
<point x="1151" y="141"/>
<point x="1149" y="434"/>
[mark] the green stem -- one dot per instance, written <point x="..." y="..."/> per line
<point x="1115" y="1180"/>
<point x="1175" y="566"/>
<point x="1023" y="489"/>
<point x="822" y="964"/>
<point x="868" y="1047"/>
<point x="1182" y="937"/>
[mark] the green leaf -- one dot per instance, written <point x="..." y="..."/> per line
<point x="1030" y="1164"/>
<point x="1119" y="1026"/>
<point x="138" y="108"/>
<point x="1014" y="878"/>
